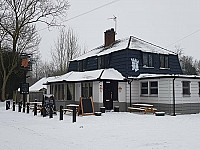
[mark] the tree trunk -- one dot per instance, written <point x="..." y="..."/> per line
<point x="3" y="90"/>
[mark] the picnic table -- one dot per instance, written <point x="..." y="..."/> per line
<point x="142" y="107"/>
<point x="69" y="108"/>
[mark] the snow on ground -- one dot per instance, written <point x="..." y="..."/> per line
<point x="111" y="131"/>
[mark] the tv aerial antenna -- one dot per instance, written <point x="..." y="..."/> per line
<point x="114" y="18"/>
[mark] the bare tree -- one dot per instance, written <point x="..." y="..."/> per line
<point x="66" y="49"/>
<point x="18" y="20"/>
<point x="188" y="64"/>
<point x="42" y="69"/>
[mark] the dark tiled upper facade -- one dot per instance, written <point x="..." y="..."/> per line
<point x="130" y="57"/>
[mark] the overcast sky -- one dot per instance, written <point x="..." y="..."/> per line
<point x="162" y="22"/>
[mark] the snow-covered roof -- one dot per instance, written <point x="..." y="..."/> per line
<point x="39" y="84"/>
<point x="109" y="74"/>
<point x="142" y="76"/>
<point x="131" y="43"/>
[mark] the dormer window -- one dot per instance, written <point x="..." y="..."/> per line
<point x="147" y="60"/>
<point x="164" y="61"/>
<point x="103" y="62"/>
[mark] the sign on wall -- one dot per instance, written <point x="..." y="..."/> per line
<point x="135" y="64"/>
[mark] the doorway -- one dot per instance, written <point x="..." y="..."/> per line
<point x="110" y="93"/>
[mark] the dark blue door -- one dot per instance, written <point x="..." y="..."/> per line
<point x="110" y="93"/>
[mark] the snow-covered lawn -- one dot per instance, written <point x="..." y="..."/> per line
<point x="111" y="131"/>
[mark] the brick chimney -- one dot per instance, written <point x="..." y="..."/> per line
<point x="109" y="37"/>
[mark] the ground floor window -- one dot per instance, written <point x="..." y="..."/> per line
<point x="186" y="87"/>
<point x="144" y="88"/>
<point x="149" y="88"/>
<point x="154" y="87"/>
<point x="70" y="91"/>
<point x="86" y="89"/>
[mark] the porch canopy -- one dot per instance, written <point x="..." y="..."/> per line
<point x="101" y="74"/>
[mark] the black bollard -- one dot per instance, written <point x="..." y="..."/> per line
<point x="13" y="105"/>
<point x="41" y="111"/>
<point x="24" y="103"/>
<point x="20" y="106"/>
<point x="28" y="107"/>
<point x="51" y="111"/>
<point x="61" y="112"/>
<point x="7" y="105"/>
<point x="74" y="114"/>
<point x="44" y="112"/>
<point x="35" y="109"/>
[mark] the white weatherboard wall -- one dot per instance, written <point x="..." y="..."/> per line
<point x="165" y="91"/>
<point x="122" y="93"/>
<point x="134" y="92"/>
<point x="194" y="90"/>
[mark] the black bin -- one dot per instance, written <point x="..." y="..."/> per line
<point x="116" y="109"/>
<point x="102" y="109"/>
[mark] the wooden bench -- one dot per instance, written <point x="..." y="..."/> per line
<point x="135" y="109"/>
<point x="65" y="110"/>
<point x="142" y="107"/>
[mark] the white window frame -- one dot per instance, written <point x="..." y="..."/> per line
<point x="186" y="87"/>
<point x="149" y="89"/>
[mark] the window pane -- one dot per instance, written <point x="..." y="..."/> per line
<point x="86" y="89"/>
<point x="90" y="89"/>
<point x="55" y="92"/>
<point x="154" y="91"/>
<point x="150" y="60"/>
<point x="62" y="91"/>
<point x="144" y="84"/>
<point x="145" y="59"/>
<point x="154" y="87"/>
<point x="154" y="84"/>
<point x="107" y="61"/>
<point x="186" y="91"/>
<point x="185" y="84"/>
<point x="84" y="64"/>
<point x="70" y="91"/>
<point x="162" y="63"/>
<point x="166" y="62"/>
<point x="144" y="91"/>
<point x="186" y="87"/>
<point x="144" y="88"/>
